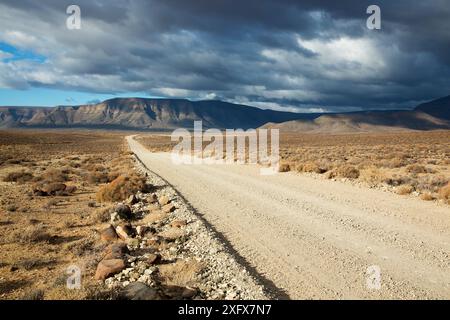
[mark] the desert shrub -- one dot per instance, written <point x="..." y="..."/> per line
<point x="393" y="163"/>
<point x="98" y="292"/>
<point x="331" y="174"/>
<point x="34" y="294"/>
<point x="121" y="188"/>
<point x="11" y="208"/>
<point x="309" y="167"/>
<point x="396" y="180"/>
<point x="52" y="189"/>
<point x="426" y="196"/>
<point x="73" y="158"/>
<point x="416" y="168"/>
<point x="103" y="214"/>
<point x="15" y="161"/>
<point x="431" y="182"/>
<point x="31" y="164"/>
<point x="52" y="203"/>
<point x="69" y="190"/>
<point x="444" y="193"/>
<point x="67" y="170"/>
<point x="404" y="189"/>
<point x="284" y="167"/>
<point x="21" y="176"/>
<point x="83" y="247"/>
<point x="181" y="272"/>
<point x="97" y="177"/>
<point x="54" y="175"/>
<point x="372" y="175"/>
<point x="74" y="164"/>
<point x="113" y="175"/>
<point x="32" y="234"/>
<point x="33" y="263"/>
<point x="347" y="171"/>
<point x="96" y="168"/>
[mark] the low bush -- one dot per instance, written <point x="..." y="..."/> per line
<point x="18" y="176"/>
<point x="347" y="171"/>
<point x="284" y="167"/>
<point x="416" y="168"/>
<point x="97" y="177"/>
<point x="45" y="188"/>
<point x="32" y="234"/>
<point x="121" y="188"/>
<point x="103" y="214"/>
<point x="34" y="294"/>
<point x="372" y="175"/>
<point x="404" y="189"/>
<point x="444" y="193"/>
<point x="426" y="196"/>
<point x="309" y="167"/>
<point x="53" y="175"/>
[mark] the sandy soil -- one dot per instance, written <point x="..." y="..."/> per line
<point x="309" y="238"/>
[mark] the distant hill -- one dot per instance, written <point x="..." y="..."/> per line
<point x="428" y="116"/>
<point x="166" y="114"/>
<point x="439" y="108"/>
<point x="138" y="113"/>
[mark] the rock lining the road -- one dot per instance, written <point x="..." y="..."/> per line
<point x="164" y="217"/>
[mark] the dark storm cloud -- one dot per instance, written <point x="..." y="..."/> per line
<point x="278" y="54"/>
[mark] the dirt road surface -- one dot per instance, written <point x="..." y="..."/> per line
<point x="308" y="238"/>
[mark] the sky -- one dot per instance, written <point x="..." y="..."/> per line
<point x="302" y="56"/>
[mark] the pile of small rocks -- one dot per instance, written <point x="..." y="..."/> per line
<point x="151" y="229"/>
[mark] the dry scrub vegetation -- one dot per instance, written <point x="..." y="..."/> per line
<point x="409" y="162"/>
<point x="404" y="162"/>
<point x="54" y="193"/>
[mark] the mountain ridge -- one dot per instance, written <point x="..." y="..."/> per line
<point x="166" y="114"/>
<point x="143" y="113"/>
<point x="433" y="115"/>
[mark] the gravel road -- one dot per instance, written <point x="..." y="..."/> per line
<point x="308" y="238"/>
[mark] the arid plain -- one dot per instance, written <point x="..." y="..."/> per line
<point x="59" y="187"/>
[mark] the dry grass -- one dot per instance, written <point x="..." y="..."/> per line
<point x="20" y="176"/>
<point x="52" y="175"/>
<point x="347" y="171"/>
<point x="372" y="175"/>
<point x="181" y="273"/>
<point x="121" y="188"/>
<point x="404" y="190"/>
<point x="102" y="215"/>
<point x="427" y="196"/>
<point x="42" y="233"/>
<point x="284" y="167"/>
<point x="308" y="167"/>
<point x="410" y="161"/>
<point x="444" y="193"/>
<point x="31" y="234"/>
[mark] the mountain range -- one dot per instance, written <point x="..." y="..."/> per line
<point x="139" y="113"/>
<point x="166" y="114"/>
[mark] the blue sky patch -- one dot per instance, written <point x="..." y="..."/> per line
<point x="19" y="54"/>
